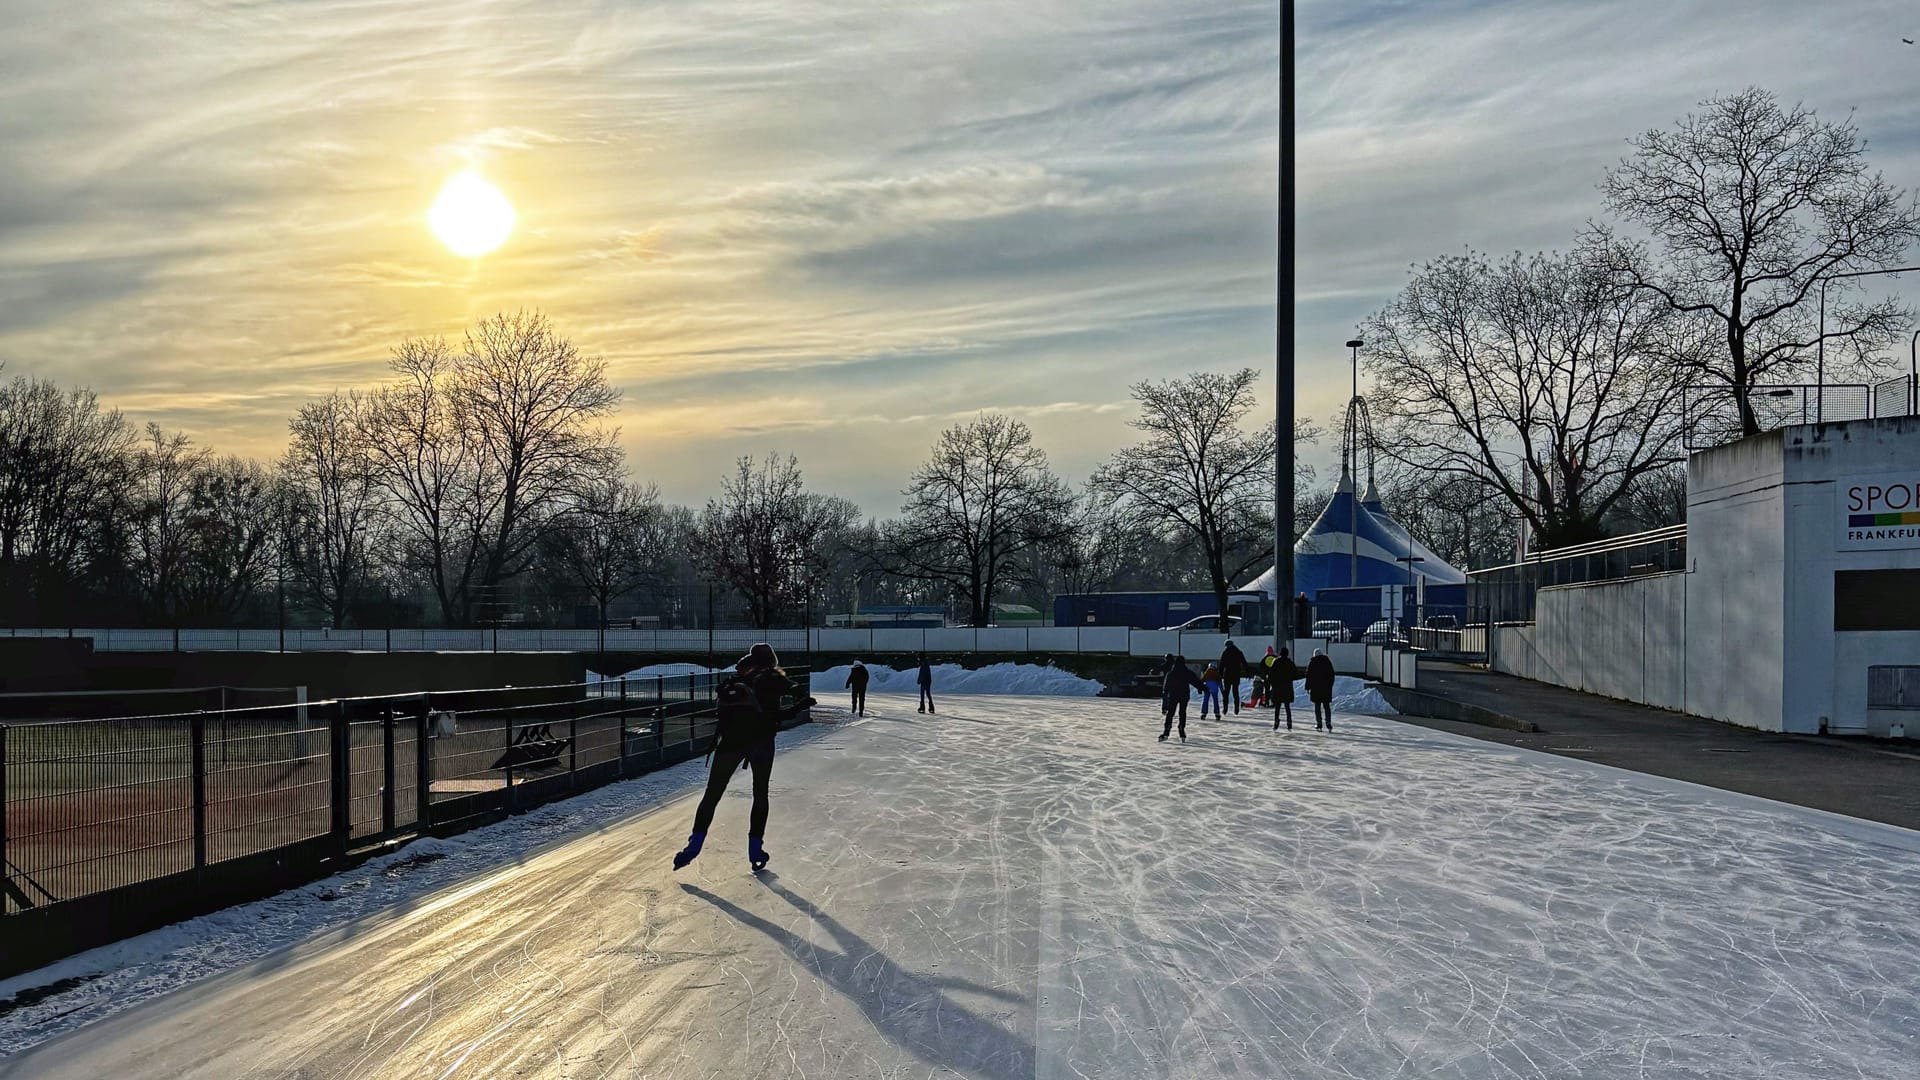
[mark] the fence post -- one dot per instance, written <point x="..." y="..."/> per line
<point x="387" y="808"/>
<point x="507" y="754"/>
<point x="198" y="737"/>
<point x="573" y="750"/>
<point x="340" y="757"/>
<point x="6" y="874"/>
<point x="423" y="769"/>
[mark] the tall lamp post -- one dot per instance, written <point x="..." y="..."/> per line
<point x="1820" y="373"/>
<point x="1283" y="629"/>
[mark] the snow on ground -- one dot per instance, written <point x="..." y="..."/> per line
<point x="116" y="977"/>
<point x="672" y="671"/>
<point x="1031" y="680"/>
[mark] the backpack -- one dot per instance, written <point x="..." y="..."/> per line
<point x="742" y="722"/>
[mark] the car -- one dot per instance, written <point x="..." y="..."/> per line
<point x="1443" y="622"/>
<point x="1331" y="630"/>
<point x="1207" y="624"/>
<point x="1383" y="632"/>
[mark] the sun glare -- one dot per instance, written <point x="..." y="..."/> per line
<point x="470" y="215"/>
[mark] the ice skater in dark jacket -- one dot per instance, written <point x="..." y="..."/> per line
<point x="745" y="741"/>
<point x="1233" y="668"/>
<point x="1176" y="687"/>
<point x="1320" y="688"/>
<point x="857" y="682"/>
<point x="1282" y="672"/>
<point x="926" y="684"/>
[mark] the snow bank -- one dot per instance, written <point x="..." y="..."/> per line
<point x="1029" y="679"/>
<point x="673" y="671"/>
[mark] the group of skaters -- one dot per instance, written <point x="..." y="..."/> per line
<point x="1271" y="687"/>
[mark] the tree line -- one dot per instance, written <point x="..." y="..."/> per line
<point x="483" y="483"/>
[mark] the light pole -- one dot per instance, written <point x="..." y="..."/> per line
<point x="1913" y="375"/>
<point x="1283" y="355"/>
<point x="1352" y="467"/>
<point x="1820" y="371"/>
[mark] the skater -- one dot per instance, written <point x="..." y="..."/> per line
<point x="1210" y="691"/>
<point x="1281" y="674"/>
<point x="750" y="716"/>
<point x="1233" y="668"/>
<point x="1176" y="689"/>
<point x="1320" y="688"/>
<point x="926" y="684"/>
<point x="857" y="682"/>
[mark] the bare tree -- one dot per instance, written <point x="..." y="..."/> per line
<point x="1538" y="377"/>
<point x="1199" y="473"/>
<point x="984" y="497"/>
<point x="610" y="540"/>
<point x="1752" y="206"/>
<point x="333" y="499"/>
<point x="766" y="535"/>
<point x="478" y="451"/>
<point x="64" y="466"/>
<point x="233" y="521"/>
<point x="161" y="529"/>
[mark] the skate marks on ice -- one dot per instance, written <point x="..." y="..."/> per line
<point x="1058" y="895"/>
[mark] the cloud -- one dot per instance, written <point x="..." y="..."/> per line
<point x="864" y="219"/>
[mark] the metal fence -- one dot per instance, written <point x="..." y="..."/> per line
<point x="1507" y="593"/>
<point x="110" y="826"/>
<point x="1711" y="414"/>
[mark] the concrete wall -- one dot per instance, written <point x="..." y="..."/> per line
<point x="1620" y="639"/>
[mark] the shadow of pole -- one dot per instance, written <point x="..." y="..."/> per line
<point x="913" y="1011"/>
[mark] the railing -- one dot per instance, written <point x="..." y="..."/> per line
<point x="109" y="827"/>
<point x="1711" y="415"/>
<point x="723" y="645"/>
<point x="1506" y="593"/>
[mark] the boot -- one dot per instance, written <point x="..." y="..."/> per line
<point x="756" y="854"/>
<point x="690" y="852"/>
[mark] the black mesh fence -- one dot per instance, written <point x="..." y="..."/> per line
<point x="104" y="817"/>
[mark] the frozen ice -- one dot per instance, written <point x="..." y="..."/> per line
<point x="1034" y="887"/>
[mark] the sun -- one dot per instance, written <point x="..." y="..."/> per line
<point x="470" y="215"/>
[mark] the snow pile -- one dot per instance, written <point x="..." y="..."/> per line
<point x="671" y="671"/>
<point x="1028" y="679"/>
<point x="1350" y="695"/>
<point x="116" y="977"/>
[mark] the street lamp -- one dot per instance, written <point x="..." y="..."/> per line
<point x="1353" y="447"/>
<point x="1283" y="354"/>
<point x="1820" y="374"/>
<point x="1913" y="375"/>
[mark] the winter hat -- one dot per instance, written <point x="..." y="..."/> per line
<point x="1319" y="652"/>
<point x="761" y="655"/>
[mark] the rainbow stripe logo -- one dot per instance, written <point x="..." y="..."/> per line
<point x="1868" y="521"/>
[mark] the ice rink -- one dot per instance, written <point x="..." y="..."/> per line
<point x="1034" y="887"/>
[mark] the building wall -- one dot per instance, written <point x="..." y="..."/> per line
<point x="1620" y="639"/>
<point x="1733" y="636"/>
<point x="1827" y="670"/>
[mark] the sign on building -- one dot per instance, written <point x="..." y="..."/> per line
<point x="1880" y="511"/>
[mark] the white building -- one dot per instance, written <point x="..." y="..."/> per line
<point x="1800" y="607"/>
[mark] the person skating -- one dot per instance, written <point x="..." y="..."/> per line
<point x="1320" y="689"/>
<point x="748" y="723"/>
<point x="1176" y="688"/>
<point x="925" y="681"/>
<point x="857" y="682"/>
<point x="1233" y="668"/>
<point x="1281" y="675"/>
<point x="1210" y="691"/>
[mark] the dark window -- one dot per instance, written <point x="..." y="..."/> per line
<point x="1876" y="599"/>
<point x="1893" y="686"/>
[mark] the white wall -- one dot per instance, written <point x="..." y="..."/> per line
<point x="1619" y="639"/>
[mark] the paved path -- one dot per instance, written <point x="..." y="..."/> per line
<point x="1846" y="776"/>
<point x="1036" y="888"/>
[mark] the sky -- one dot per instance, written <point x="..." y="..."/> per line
<point x="823" y="228"/>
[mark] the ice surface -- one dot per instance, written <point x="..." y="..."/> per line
<point x="1034" y="887"/>
<point x="1027" y="679"/>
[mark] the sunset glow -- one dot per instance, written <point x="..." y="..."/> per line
<point x="470" y="215"/>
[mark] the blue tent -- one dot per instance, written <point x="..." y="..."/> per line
<point x="1353" y="543"/>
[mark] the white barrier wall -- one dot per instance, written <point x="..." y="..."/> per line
<point x="1619" y="639"/>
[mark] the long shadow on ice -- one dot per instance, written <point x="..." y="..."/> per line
<point x="914" y="1011"/>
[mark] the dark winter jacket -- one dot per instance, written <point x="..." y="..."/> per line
<point x="1178" y="684"/>
<point x="1233" y="662"/>
<point x="771" y="688"/>
<point x="857" y="678"/>
<point x="1283" y="672"/>
<point x="926" y="673"/>
<point x="1320" y="679"/>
